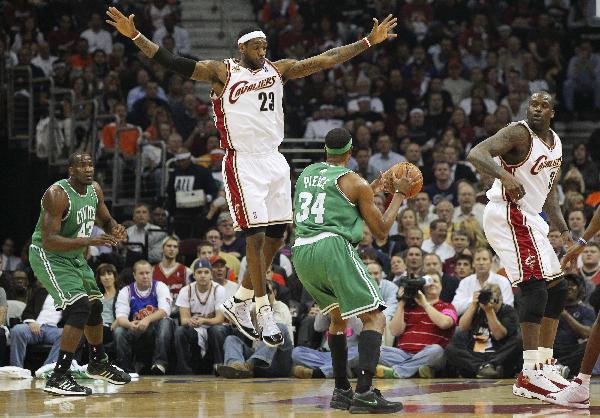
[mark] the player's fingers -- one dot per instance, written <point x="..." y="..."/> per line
<point x="387" y="19"/>
<point x="392" y="35"/>
<point x="110" y="22"/>
<point x="375" y="23"/>
<point x="131" y="17"/>
<point x="118" y="12"/>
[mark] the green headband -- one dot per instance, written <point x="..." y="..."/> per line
<point x="339" y="151"/>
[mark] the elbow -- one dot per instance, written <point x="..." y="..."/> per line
<point x="471" y="156"/>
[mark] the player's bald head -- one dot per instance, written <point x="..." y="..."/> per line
<point x="76" y="158"/>
<point x="543" y="95"/>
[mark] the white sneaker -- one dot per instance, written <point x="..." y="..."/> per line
<point x="533" y="384"/>
<point x="239" y="314"/>
<point x="555" y="372"/>
<point x="271" y="334"/>
<point x="575" y="395"/>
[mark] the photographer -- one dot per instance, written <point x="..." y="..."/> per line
<point x="486" y="344"/>
<point x="482" y="262"/>
<point x="423" y="326"/>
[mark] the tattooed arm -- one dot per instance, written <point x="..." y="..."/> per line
<point x="291" y="69"/>
<point x="552" y="208"/>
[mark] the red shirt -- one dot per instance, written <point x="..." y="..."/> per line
<point x="176" y="280"/>
<point x="421" y="331"/>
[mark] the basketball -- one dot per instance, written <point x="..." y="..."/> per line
<point x="397" y="170"/>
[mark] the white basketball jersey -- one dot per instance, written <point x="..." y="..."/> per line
<point x="249" y="112"/>
<point x="536" y="173"/>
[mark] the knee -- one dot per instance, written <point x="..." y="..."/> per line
<point x="19" y="331"/>
<point x="78" y="313"/>
<point x="218" y="331"/>
<point x="119" y="334"/>
<point x="436" y="350"/>
<point x="534" y="297"/>
<point x="337" y="326"/>
<point x="180" y="332"/>
<point x="374" y="319"/>
<point x="95" y="317"/>
<point x="165" y="326"/>
<point x="557" y="299"/>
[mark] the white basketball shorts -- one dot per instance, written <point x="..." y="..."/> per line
<point x="258" y="189"/>
<point x="521" y="241"/>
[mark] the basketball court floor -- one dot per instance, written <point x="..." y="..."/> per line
<point x="210" y="397"/>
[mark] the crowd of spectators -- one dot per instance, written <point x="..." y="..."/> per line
<point x="458" y="71"/>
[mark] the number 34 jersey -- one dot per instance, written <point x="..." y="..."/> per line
<point x="249" y="112"/>
<point x="320" y="206"/>
<point x="537" y="173"/>
<point x="77" y="222"/>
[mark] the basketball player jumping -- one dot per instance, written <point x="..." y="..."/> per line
<point x="577" y="394"/>
<point x="70" y="208"/>
<point x="247" y="103"/>
<point x="525" y="158"/>
<point x="331" y="206"/>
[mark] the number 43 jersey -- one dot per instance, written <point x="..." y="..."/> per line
<point x="77" y="222"/>
<point x="537" y="173"/>
<point x="320" y="206"/>
<point x="249" y="112"/>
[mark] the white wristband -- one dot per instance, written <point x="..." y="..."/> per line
<point x="582" y="241"/>
<point x="367" y="42"/>
<point x="136" y="36"/>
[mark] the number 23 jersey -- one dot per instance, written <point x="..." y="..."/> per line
<point x="537" y="173"/>
<point x="249" y="112"/>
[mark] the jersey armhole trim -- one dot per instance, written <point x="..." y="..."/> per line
<point x="68" y="197"/>
<point x="528" y="153"/>
<point x="220" y="96"/>
<point x="340" y="190"/>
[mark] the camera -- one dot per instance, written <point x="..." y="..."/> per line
<point x="412" y="287"/>
<point x="485" y="296"/>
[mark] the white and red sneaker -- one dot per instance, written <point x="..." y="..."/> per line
<point x="575" y="395"/>
<point x="555" y="372"/>
<point x="533" y="384"/>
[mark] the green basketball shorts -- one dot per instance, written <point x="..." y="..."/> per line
<point x="335" y="276"/>
<point x="66" y="279"/>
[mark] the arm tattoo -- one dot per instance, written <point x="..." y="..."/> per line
<point x="325" y="60"/>
<point x="346" y="52"/>
<point x="145" y="45"/>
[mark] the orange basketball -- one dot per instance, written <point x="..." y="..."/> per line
<point x="397" y="171"/>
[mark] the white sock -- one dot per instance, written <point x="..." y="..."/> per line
<point x="530" y="358"/>
<point x="244" y="294"/>
<point x="261" y="301"/>
<point x="585" y="379"/>
<point x="545" y="354"/>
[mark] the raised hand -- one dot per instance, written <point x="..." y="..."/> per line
<point x="381" y="31"/>
<point x="118" y="231"/>
<point x="123" y="24"/>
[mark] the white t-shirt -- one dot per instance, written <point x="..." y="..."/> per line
<point x="190" y="297"/>
<point x="470" y="285"/>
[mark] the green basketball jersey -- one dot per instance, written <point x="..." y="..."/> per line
<point x="320" y="206"/>
<point x="77" y="223"/>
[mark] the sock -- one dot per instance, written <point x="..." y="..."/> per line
<point x="545" y="354"/>
<point x="97" y="353"/>
<point x="339" y="360"/>
<point x="585" y="379"/>
<point x="63" y="364"/>
<point x="243" y="294"/>
<point x="369" y="349"/>
<point x="261" y="301"/>
<point x="530" y="359"/>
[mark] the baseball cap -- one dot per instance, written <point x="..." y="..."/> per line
<point x="201" y="264"/>
<point x="217" y="259"/>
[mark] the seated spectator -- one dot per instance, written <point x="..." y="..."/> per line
<point x="454" y="83"/>
<point x="97" y="37"/>
<point x="413" y="260"/>
<point x="160" y="217"/>
<point x="590" y="268"/>
<point x="233" y="243"/>
<point x="128" y="133"/>
<point x="460" y="243"/>
<point x="180" y="35"/>
<point x="397" y="267"/>
<point x="214" y="237"/>
<point x="141" y="90"/>
<point x="463" y="266"/>
<point x="445" y="211"/>
<point x="82" y="57"/>
<point x="582" y="76"/>
<point x="40" y="326"/>
<point x="137" y="234"/>
<point x="442" y="187"/>
<point x="423" y="327"/>
<point x="366" y="249"/>
<point x="433" y="262"/>
<point x="576" y="222"/>
<point x="142" y="312"/>
<point x="205" y="251"/>
<point x="482" y="261"/>
<point x="9" y="260"/>
<point x="414" y="237"/>
<point x="199" y="309"/>
<point x="169" y="271"/>
<point x="364" y="167"/>
<point x="323" y="121"/>
<point x="574" y="326"/>
<point x="260" y="360"/>
<point x="63" y="37"/>
<point x="385" y="158"/>
<point x="3" y="326"/>
<point x="312" y="363"/>
<point x="438" y="230"/>
<point x="467" y="206"/>
<point x="106" y="277"/>
<point x="556" y="241"/>
<point x="43" y="59"/>
<point x="19" y="287"/>
<point x="221" y="273"/>
<point x="487" y="343"/>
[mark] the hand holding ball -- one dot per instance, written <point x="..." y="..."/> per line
<point x="405" y="178"/>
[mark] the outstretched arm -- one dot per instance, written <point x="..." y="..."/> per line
<point x="196" y="70"/>
<point x="291" y="69"/>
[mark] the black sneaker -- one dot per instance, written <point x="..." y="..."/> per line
<point x="64" y="384"/>
<point x="239" y="315"/>
<point x="108" y="371"/>
<point x="341" y="399"/>
<point x="372" y="402"/>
